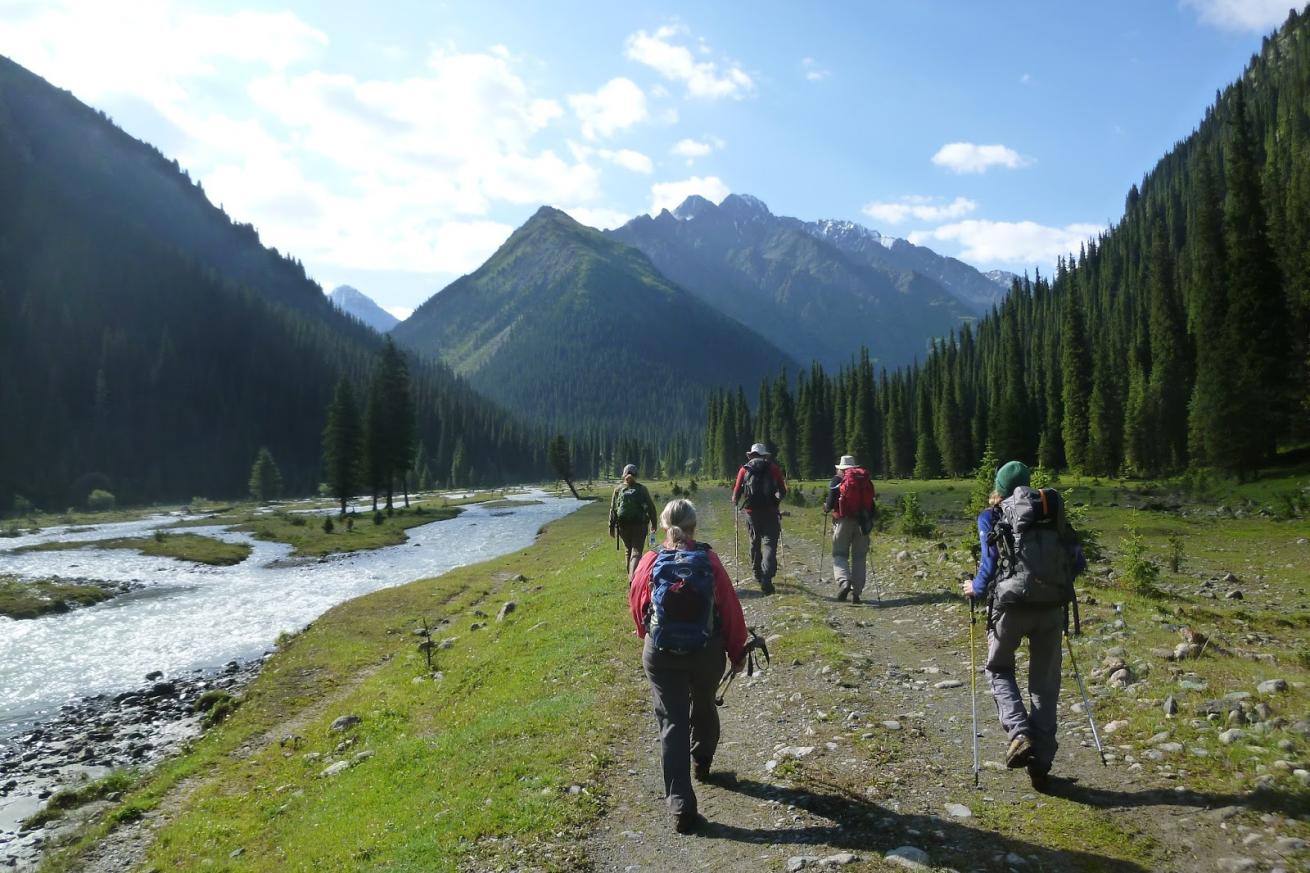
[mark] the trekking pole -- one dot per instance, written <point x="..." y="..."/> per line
<point x="973" y="686"/>
<point x="823" y="537"/>
<point x="1087" y="703"/>
<point x="736" y="554"/>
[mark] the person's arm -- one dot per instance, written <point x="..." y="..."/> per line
<point x="639" y="593"/>
<point x="834" y="491"/>
<point x="990" y="555"/>
<point x="736" y="487"/>
<point x="732" y="620"/>
<point x="780" y="481"/>
<point x="1079" y="560"/>
<point x="651" y="511"/>
<point x="614" y="510"/>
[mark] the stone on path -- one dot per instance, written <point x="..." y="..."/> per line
<point x="1170" y="706"/>
<point x="908" y="857"/>
<point x="948" y="683"/>
<point x="892" y="725"/>
<point x="840" y="859"/>
<point x="1272" y="686"/>
<point x="958" y="810"/>
<point x="1231" y="736"/>
<point x="1237" y="865"/>
<point x="800" y="862"/>
<point x="1116" y="726"/>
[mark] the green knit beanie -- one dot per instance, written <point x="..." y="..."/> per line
<point x="1011" y="476"/>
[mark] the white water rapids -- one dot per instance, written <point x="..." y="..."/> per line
<point x="191" y="616"/>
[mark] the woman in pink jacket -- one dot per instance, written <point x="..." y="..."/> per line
<point x="687" y="611"/>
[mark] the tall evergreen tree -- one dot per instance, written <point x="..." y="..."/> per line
<point x="265" y="478"/>
<point x="1075" y="377"/>
<point x="342" y="441"/>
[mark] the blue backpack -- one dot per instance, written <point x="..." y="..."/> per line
<point x="681" y="617"/>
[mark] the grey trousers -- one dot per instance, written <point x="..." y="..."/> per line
<point x="764" y="532"/>
<point x="682" y="688"/>
<point x="850" y="549"/>
<point x="1044" y="628"/>
<point x="634" y="540"/>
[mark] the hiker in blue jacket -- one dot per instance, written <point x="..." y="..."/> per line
<point x="1031" y="734"/>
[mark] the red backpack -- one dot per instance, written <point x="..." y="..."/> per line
<point x="855" y="494"/>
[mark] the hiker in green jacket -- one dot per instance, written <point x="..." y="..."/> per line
<point x="632" y="515"/>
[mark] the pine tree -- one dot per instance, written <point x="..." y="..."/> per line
<point x="1170" y="379"/>
<point x="561" y="461"/>
<point x="1075" y="377"/>
<point x="342" y="440"/>
<point x="1207" y="435"/>
<point x="265" y="478"/>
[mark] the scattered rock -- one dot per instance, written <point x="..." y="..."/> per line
<point x="1115" y="726"/>
<point x="154" y="674"/>
<point x="344" y="723"/>
<point x="909" y="857"/>
<point x="333" y="769"/>
<point x="841" y="859"/>
<point x="958" y="810"/>
<point x="795" y="751"/>
<point x="902" y="555"/>
<point x="447" y="643"/>
<point x="505" y="610"/>
<point x="1237" y="865"/>
<point x="1184" y="651"/>
<point x="1272" y="686"/>
<point x="1234" y="595"/>
<point x="892" y="725"/>
<point x="1231" y="736"/>
<point x="948" y="683"/>
<point x="1170" y="706"/>
<point x="800" y="862"/>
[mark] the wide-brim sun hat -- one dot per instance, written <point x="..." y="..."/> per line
<point x="758" y="449"/>
<point x="846" y="462"/>
<point x="631" y="468"/>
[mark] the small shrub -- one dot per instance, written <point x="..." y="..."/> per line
<point x="1042" y="477"/>
<point x="22" y="506"/>
<point x="328" y="526"/>
<point x="984" y="480"/>
<point x="692" y="486"/>
<point x="100" y="500"/>
<point x="796" y="497"/>
<point x="1088" y="537"/>
<point x="350" y="522"/>
<point x="297" y="520"/>
<point x="216" y="705"/>
<point x="676" y="490"/>
<point x="1137" y="571"/>
<point x="1175" y="553"/>
<point x="378" y="517"/>
<point x="419" y="510"/>
<point x="914" y="521"/>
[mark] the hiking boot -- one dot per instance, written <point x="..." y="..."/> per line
<point x="700" y="771"/>
<point x="1040" y="777"/>
<point x="1019" y="752"/>
<point x="688" y="822"/>
<point x="856" y="600"/>
<point x="766" y="586"/>
<point x="842" y="592"/>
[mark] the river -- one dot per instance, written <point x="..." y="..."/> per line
<point x="186" y="617"/>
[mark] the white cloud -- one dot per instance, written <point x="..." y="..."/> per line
<point x="1241" y="15"/>
<point x="693" y="148"/>
<point x="920" y="208"/>
<point x="812" y="71"/>
<point x="668" y="195"/>
<point x="677" y="63"/>
<point x="968" y="157"/>
<point x="599" y="217"/>
<point x="1011" y="242"/>
<point x="618" y="105"/>
<point x="629" y="160"/>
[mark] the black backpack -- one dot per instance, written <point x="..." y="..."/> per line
<point x="758" y="490"/>
<point x="1036" y="544"/>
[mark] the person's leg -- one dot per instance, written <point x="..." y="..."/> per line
<point x="705" y="675"/>
<point x="859" y="558"/>
<point x="671" y="694"/>
<point x="1044" y="656"/>
<point x="842" y="533"/>
<point x="634" y="539"/>
<point x="1008" y="629"/>
<point x="753" y="531"/>
<point x="770" y="529"/>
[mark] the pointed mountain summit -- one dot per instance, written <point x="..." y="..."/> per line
<point x="806" y="293"/>
<point x="361" y="307"/>
<point x="566" y="325"/>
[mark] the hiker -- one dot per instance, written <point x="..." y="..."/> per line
<point x="1030" y="557"/>
<point x="687" y="611"/>
<point x="632" y="515"/>
<point x="850" y="500"/>
<point x="759" y="489"/>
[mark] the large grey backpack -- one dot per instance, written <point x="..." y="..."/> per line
<point x="1036" y="546"/>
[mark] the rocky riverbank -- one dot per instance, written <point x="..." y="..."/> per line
<point x="93" y="737"/>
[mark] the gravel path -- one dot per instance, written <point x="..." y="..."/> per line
<point x="842" y="761"/>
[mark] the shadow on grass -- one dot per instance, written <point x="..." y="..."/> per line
<point x="859" y="825"/>
<point x="1288" y="803"/>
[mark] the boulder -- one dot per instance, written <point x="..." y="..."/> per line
<point x="344" y="723"/>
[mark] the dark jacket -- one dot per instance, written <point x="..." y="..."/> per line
<point x="775" y="473"/>
<point x="990" y="561"/>
<point x="643" y="495"/>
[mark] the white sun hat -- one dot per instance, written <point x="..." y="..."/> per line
<point x="846" y="462"/>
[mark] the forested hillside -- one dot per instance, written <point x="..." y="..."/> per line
<point x="1179" y="338"/>
<point x="150" y="346"/>
<point x="575" y="330"/>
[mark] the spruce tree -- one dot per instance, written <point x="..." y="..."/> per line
<point x="342" y="441"/>
<point x="1075" y="379"/>
<point x="265" y="478"/>
<point x="1170" y="377"/>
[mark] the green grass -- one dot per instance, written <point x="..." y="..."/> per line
<point x="526" y="708"/>
<point x="70" y="798"/>
<point x="182" y="546"/>
<point x="306" y="535"/>
<point x="23" y="599"/>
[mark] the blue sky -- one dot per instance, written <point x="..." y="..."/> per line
<point x="394" y="147"/>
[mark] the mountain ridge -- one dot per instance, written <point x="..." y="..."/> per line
<point x="363" y="308"/>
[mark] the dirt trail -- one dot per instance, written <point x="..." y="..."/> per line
<point x="883" y="746"/>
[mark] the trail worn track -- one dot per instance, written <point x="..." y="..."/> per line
<point x="861" y="745"/>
